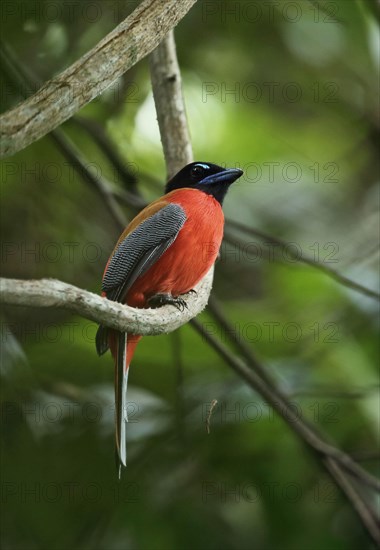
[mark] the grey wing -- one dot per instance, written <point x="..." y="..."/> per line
<point x="141" y="249"/>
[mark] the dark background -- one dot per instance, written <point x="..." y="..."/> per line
<point x="288" y="92"/>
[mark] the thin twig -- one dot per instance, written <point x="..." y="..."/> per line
<point x="327" y="392"/>
<point x="270" y="239"/>
<point x="72" y="154"/>
<point x="213" y="404"/>
<point x="216" y="311"/>
<point x="97" y="133"/>
<point x="362" y="456"/>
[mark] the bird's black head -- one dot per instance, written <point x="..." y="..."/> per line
<point x="204" y="176"/>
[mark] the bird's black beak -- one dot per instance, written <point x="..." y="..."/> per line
<point x="228" y="176"/>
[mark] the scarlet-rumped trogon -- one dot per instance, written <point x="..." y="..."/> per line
<point x="162" y="254"/>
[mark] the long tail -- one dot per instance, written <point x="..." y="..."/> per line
<point x="125" y="348"/>
<point x="122" y="347"/>
<point x="121" y="384"/>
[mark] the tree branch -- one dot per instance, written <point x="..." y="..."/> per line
<point x="170" y="106"/>
<point x="52" y="293"/>
<point x="64" y="95"/>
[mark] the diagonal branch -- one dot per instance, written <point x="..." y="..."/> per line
<point x="334" y="460"/>
<point x="64" y="95"/>
<point x="121" y="170"/>
<point x="74" y="157"/>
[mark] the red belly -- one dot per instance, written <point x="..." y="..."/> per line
<point x="191" y="255"/>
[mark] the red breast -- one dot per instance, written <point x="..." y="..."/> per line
<point x="191" y="255"/>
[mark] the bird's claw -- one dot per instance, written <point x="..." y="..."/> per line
<point x="192" y="291"/>
<point x="180" y="304"/>
<point x="159" y="300"/>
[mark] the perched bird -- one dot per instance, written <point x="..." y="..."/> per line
<point x="162" y="254"/>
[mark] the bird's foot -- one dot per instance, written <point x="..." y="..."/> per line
<point x="192" y="291"/>
<point x="159" y="300"/>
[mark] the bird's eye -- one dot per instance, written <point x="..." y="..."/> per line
<point x="197" y="171"/>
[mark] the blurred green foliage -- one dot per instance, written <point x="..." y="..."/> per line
<point x="289" y="92"/>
